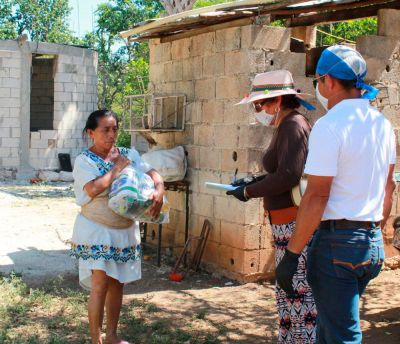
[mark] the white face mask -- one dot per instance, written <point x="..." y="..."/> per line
<point x="323" y="101"/>
<point x="264" y="118"/>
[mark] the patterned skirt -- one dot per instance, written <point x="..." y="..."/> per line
<point x="297" y="314"/>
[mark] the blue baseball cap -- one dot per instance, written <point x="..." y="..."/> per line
<point x="343" y="62"/>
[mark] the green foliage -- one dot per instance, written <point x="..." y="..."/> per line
<point x="204" y="3"/>
<point x="7" y="27"/>
<point x="348" y="30"/>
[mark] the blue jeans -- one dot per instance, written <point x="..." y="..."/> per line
<point x="339" y="266"/>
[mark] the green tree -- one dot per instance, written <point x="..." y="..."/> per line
<point x="7" y="27"/>
<point x="348" y="30"/>
<point x="204" y="3"/>
<point x="44" y="20"/>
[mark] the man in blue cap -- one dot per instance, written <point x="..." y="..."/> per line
<point x="348" y="198"/>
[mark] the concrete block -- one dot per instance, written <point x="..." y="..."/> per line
<point x="209" y="176"/>
<point x="16" y="132"/>
<point x="10" y="162"/>
<point x="239" y="62"/>
<point x="162" y="52"/>
<point x="255" y="136"/>
<point x="226" y="136"/>
<point x="15" y="92"/>
<point x="205" y="89"/>
<point x="11" y="63"/>
<point x="240" y="261"/>
<point x="213" y="65"/>
<point x="228" y="162"/>
<point x="273" y="38"/>
<point x="228" y="208"/>
<point x="212" y="253"/>
<point x="203" y="135"/>
<point x="377" y="46"/>
<point x="5" y="152"/>
<point x="215" y="231"/>
<point x="180" y="49"/>
<point x="234" y="114"/>
<point x="389" y="22"/>
<point x="240" y="236"/>
<point x="10" y="142"/>
<point x="228" y="88"/>
<point x="176" y="200"/>
<point x="4" y="72"/>
<point x="193" y="157"/>
<point x="4" y="112"/>
<point x="267" y="261"/>
<point x="186" y="87"/>
<point x="63" y="77"/>
<point x="212" y="111"/>
<point x="255" y="164"/>
<point x="293" y="62"/>
<point x="10" y="122"/>
<point x="5" y="92"/>
<point x="35" y="135"/>
<point x="5" y="132"/>
<point x="393" y="94"/>
<point x="201" y="204"/>
<point x="228" y="39"/>
<point x="15" y="72"/>
<point x="39" y="144"/>
<point x="203" y="44"/>
<point x="210" y="158"/>
<point x="62" y="96"/>
<point x="10" y="82"/>
<point x="48" y="134"/>
<point x="249" y="34"/>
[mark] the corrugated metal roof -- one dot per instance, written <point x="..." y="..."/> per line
<point x="297" y="13"/>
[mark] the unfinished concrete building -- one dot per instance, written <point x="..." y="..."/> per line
<point x="46" y="94"/>
<point x="213" y="63"/>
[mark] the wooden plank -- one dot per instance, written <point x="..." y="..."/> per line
<point x="327" y="7"/>
<point x="337" y="16"/>
<point x="272" y="4"/>
<point x="189" y="33"/>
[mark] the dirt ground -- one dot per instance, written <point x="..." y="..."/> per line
<point x="37" y="220"/>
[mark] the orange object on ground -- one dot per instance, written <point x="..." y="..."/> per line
<point x="176" y="277"/>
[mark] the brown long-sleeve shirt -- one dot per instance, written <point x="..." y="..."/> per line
<point x="284" y="161"/>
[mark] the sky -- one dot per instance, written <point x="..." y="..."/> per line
<point x="82" y="17"/>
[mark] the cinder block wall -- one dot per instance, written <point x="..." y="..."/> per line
<point x="75" y="96"/>
<point x="382" y="53"/>
<point x="10" y="102"/>
<point x="215" y="71"/>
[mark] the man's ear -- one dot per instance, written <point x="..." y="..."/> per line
<point x="330" y="83"/>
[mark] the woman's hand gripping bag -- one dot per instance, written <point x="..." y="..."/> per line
<point x="131" y="196"/>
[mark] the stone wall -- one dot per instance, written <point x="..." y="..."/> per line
<point x="73" y="79"/>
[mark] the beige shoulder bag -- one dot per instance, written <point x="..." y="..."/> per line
<point x="97" y="210"/>
<point x="298" y="191"/>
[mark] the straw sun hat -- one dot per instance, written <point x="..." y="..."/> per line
<point x="274" y="84"/>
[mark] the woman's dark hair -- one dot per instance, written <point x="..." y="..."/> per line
<point x="93" y="120"/>
<point x="289" y="101"/>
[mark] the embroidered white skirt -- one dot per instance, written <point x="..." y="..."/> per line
<point x="115" y="251"/>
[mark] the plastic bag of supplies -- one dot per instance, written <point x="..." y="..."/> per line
<point x="131" y="196"/>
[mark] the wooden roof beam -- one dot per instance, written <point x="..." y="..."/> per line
<point x="337" y="16"/>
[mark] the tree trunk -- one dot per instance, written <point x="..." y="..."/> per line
<point x="177" y="6"/>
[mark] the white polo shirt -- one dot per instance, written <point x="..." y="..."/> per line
<point x="355" y="144"/>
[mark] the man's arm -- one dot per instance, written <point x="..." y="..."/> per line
<point x="387" y="203"/>
<point x="310" y="212"/>
<point x="309" y="216"/>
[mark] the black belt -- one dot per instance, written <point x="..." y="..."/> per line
<point x="348" y="224"/>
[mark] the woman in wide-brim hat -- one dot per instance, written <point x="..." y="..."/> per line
<point x="276" y="103"/>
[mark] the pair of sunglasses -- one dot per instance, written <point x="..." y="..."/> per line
<point x="258" y="107"/>
<point x="315" y="81"/>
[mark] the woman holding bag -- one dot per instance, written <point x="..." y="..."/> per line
<point x="276" y="104"/>
<point x="106" y="244"/>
